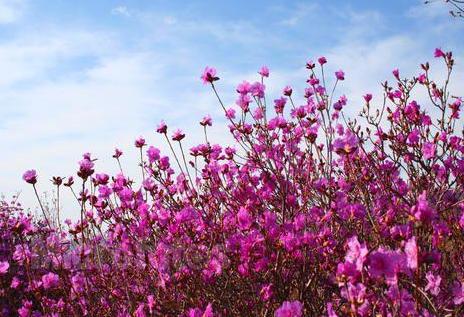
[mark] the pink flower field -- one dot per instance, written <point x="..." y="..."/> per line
<point x="307" y="213"/>
<point x="314" y="168"/>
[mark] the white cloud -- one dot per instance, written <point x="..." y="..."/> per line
<point x="121" y="10"/>
<point x="297" y="14"/>
<point x="48" y="121"/>
<point x="170" y="20"/>
<point x="11" y="10"/>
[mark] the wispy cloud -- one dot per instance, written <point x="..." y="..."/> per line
<point x="11" y="10"/>
<point x="296" y="14"/>
<point x="82" y="86"/>
<point x="121" y="10"/>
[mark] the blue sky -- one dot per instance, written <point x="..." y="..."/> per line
<point x="79" y="76"/>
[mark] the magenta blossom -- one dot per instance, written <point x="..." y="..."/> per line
<point x="257" y="89"/>
<point x="4" y="265"/>
<point x="153" y="154"/>
<point x="340" y="75"/>
<point x="290" y="309"/>
<point x="178" y="135"/>
<point x="117" y="153"/>
<point x="244" y="219"/>
<point x="209" y="75"/>
<point x="334" y="213"/>
<point x="162" y="128"/>
<point x="310" y="65"/>
<point x="458" y="293"/>
<point x="357" y="253"/>
<point x="433" y="285"/>
<point x="410" y="249"/>
<point x="264" y="71"/>
<point x="30" y="176"/>
<point x="346" y="145"/>
<point x="140" y="142"/>
<point x="439" y="53"/>
<point x="422" y="210"/>
<point x="206" y="121"/>
<point x="386" y="263"/>
<point x="50" y="280"/>
<point x="287" y="91"/>
<point x="85" y="168"/>
<point x="322" y="60"/>
<point x="279" y="104"/>
<point x="428" y="150"/>
<point x="243" y="88"/>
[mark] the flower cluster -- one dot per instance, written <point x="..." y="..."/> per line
<point x="309" y="214"/>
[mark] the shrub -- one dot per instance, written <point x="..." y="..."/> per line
<point x="309" y="214"/>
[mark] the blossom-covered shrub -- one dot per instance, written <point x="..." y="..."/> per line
<point x="309" y="213"/>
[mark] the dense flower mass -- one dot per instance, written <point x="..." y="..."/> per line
<point x="308" y="214"/>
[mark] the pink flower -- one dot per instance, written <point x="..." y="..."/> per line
<point x="178" y="135"/>
<point x="15" y="282"/>
<point x="433" y="284"/>
<point x="257" y="89"/>
<point x="243" y="102"/>
<point x="422" y="211"/>
<point x="209" y="75"/>
<point x="50" y="280"/>
<point x="126" y="195"/>
<point x="414" y="136"/>
<point x="346" y="145"/>
<point x="422" y="79"/>
<point x="439" y="53"/>
<point x="279" y="104"/>
<point x="78" y="282"/>
<point x="230" y="113"/>
<point x="428" y="150"/>
<point x="197" y="312"/>
<point x="264" y="71"/>
<point x="287" y="91"/>
<point x="101" y="179"/>
<point x="244" y="219"/>
<point x="26" y="309"/>
<point x="410" y="249"/>
<point x="4" y="265"/>
<point x="117" y="153"/>
<point x="396" y="73"/>
<point x="153" y="154"/>
<point x="70" y="181"/>
<point x="340" y="103"/>
<point x="85" y="168"/>
<point x="266" y="292"/>
<point x="340" y="75"/>
<point x="367" y="97"/>
<point x="214" y="267"/>
<point x="162" y="128"/>
<point x="322" y="60"/>
<point x="458" y="293"/>
<point x="310" y="65"/>
<point x="140" y="311"/>
<point x="331" y="311"/>
<point x="290" y="309"/>
<point x="386" y="263"/>
<point x="244" y="88"/>
<point x="357" y="253"/>
<point x="206" y="121"/>
<point x="30" y="176"/>
<point x="140" y="142"/>
<point x="208" y="311"/>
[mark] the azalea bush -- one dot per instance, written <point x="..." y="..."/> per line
<point x="308" y="213"/>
